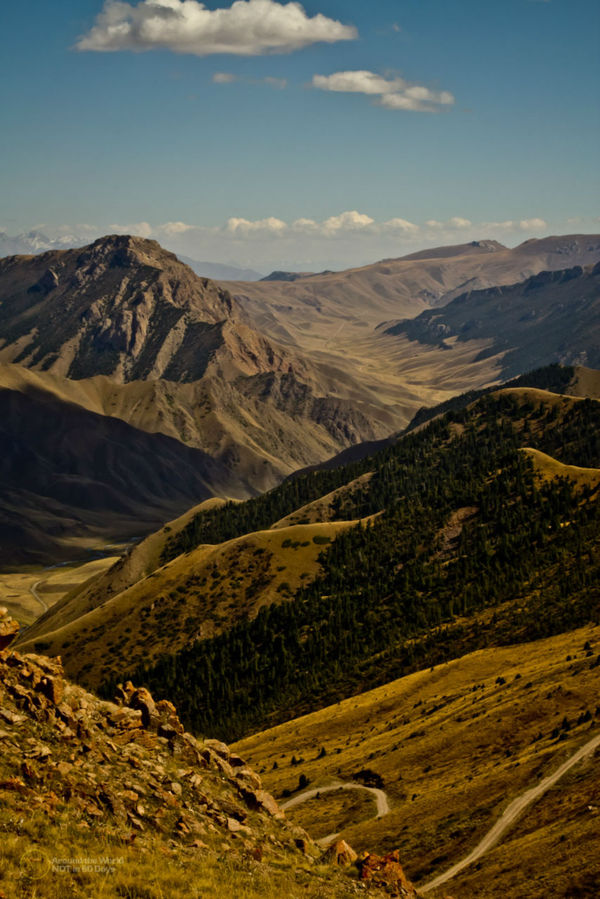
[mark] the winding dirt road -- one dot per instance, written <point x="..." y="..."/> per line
<point x="381" y="799"/>
<point x="514" y="810"/>
<point x="36" y="595"/>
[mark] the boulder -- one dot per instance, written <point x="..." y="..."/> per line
<point x="52" y="688"/>
<point x="141" y="700"/>
<point x="340" y="853"/>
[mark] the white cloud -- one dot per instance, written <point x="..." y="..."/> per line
<point x="339" y="241"/>
<point x="456" y="223"/>
<point x="305" y="226"/>
<point x="392" y="93"/>
<point x="246" y="28"/>
<point x="347" y="221"/>
<point x="533" y="225"/>
<point x="508" y="225"/>
<point x="397" y="224"/>
<point x="239" y="227"/>
<point x="139" y="229"/>
<point x="350" y="225"/>
<point x="358" y="82"/>
<point x="175" y="228"/>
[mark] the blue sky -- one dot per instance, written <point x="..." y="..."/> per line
<point x="371" y="130"/>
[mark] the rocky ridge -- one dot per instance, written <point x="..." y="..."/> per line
<point x="129" y="768"/>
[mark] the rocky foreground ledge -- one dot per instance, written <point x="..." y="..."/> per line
<point x="9" y="628"/>
<point x="128" y="770"/>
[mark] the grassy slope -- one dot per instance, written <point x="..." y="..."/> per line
<point x="197" y="595"/>
<point x="454" y="745"/>
<point x="548" y="468"/>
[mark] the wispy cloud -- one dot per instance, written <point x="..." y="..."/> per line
<point x="229" y="78"/>
<point x="224" y="78"/>
<point x="392" y="93"/>
<point x="531" y="225"/>
<point x="246" y="28"/>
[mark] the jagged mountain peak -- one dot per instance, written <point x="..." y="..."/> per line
<point x="122" y="250"/>
<point x="122" y="306"/>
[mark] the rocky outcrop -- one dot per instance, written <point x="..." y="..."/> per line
<point x="9" y="628"/>
<point x="129" y="765"/>
<point x="128" y="769"/>
<point x="122" y="306"/>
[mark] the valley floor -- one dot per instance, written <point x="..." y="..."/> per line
<point x="29" y="591"/>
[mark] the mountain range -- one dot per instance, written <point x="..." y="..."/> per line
<point x="248" y="381"/>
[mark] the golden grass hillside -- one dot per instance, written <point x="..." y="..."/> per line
<point x="453" y="746"/>
<point x="323" y="509"/>
<point x="547" y="468"/>
<point x="197" y="595"/>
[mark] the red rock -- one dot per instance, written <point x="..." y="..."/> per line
<point x="385" y="869"/>
<point x="235" y="826"/>
<point x="9" y="628"/>
<point x="247" y="777"/>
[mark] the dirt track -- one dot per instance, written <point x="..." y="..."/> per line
<point x="514" y="810"/>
